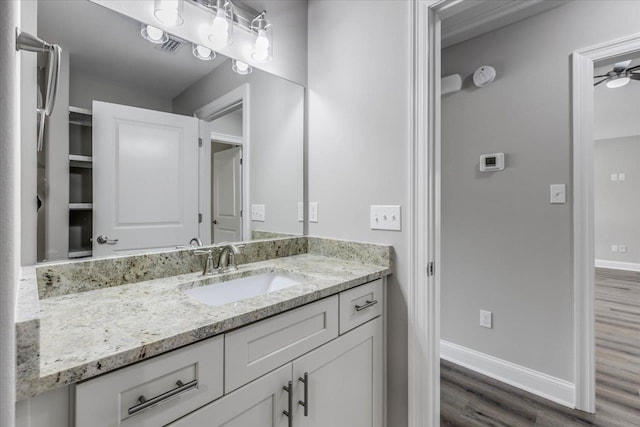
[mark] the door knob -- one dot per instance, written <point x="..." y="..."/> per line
<point x="102" y="239"/>
<point x="215" y="221"/>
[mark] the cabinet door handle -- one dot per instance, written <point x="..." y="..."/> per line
<point x="289" y="413"/>
<point x="305" y="403"/>
<point x="144" y="403"/>
<point x="366" y="305"/>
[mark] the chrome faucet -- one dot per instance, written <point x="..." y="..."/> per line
<point x="228" y="254"/>
<point x="197" y="241"/>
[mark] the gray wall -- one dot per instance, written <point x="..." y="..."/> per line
<point x="10" y="204"/>
<point x="358" y="147"/>
<point x="617" y="205"/>
<point x="85" y="88"/>
<point x="505" y="248"/>
<point x="277" y="129"/>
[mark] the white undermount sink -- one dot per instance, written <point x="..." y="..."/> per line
<point x="239" y="289"/>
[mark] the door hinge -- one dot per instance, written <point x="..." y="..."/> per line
<point x="431" y="269"/>
<point x="199" y="218"/>
<point x="199" y="142"/>
<point x="240" y="213"/>
<point x="240" y="161"/>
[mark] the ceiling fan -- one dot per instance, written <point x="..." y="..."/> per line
<point x="620" y="75"/>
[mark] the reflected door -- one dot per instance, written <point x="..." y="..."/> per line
<point x="227" y="196"/>
<point x="145" y="179"/>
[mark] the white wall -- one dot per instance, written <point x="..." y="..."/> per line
<point x="85" y="88"/>
<point x="505" y="248"/>
<point x="617" y="203"/>
<point x="276" y="131"/>
<point x="9" y="203"/>
<point x="358" y="143"/>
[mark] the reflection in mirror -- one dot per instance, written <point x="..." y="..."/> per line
<point x="154" y="142"/>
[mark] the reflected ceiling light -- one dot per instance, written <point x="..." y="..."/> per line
<point x="241" y="67"/>
<point x="619" y="81"/>
<point x="154" y="34"/>
<point x="221" y="25"/>
<point x="263" y="39"/>
<point x="203" y="53"/>
<point x="169" y="12"/>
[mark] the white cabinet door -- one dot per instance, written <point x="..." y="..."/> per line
<point x="258" y="404"/>
<point x="227" y="196"/>
<point x="145" y="178"/>
<point x="344" y="381"/>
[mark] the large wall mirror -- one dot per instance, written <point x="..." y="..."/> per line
<point x="156" y="144"/>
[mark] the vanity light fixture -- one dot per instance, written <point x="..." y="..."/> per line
<point x="169" y="12"/>
<point x="202" y="52"/>
<point x="153" y="34"/>
<point x="263" y="39"/>
<point x="221" y="25"/>
<point x="241" y="67"/>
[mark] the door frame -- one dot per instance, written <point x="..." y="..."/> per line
<point x="208" y="113"/>
<point x="583" y="61"/>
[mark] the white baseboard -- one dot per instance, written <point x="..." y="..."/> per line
<point x="538" y="383"/>
<point x="617" y="265"/>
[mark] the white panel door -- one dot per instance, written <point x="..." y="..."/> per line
<point x="344" y="381"/>
<point x="258" y="404"/>
<point x="227" y="196"/>
<point x="145" y="178"/>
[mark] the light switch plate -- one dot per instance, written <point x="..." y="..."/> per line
<point x="313" y="212"/>
<point x="622" y="249"/>
<point x="622" y="177"/>
<point x="558" y="193"/>
<point x="300" y="211"/>
<point x="385" y="217"/>
<point x="614" y="248"/>
<point x="486" y="319"/>
<point x="258" y="213"/>
<point x="614" y="177"/>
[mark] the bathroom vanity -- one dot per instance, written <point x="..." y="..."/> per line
<point x="294" y="337"/>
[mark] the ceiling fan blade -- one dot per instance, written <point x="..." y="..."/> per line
<point x="634" y="76"/>
<point x="633" y="68"/>
<point x="600" y="76"/>
<point x="601" y="81"/>
<point x="621" y="66"/>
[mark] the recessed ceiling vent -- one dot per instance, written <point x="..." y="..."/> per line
<point x="170" y="46"/>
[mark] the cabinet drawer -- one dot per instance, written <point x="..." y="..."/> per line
<point x="359" y="305"/>
<point x="256" y="349"/>
<point x="173" y="385"/>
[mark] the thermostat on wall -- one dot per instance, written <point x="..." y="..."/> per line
<point x="491" y="162"/>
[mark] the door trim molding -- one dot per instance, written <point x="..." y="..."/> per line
<point x="583" y="211"/>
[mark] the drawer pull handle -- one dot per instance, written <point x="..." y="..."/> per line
<point x="366" y="305"/>
<point x="289" y="413"/>
<point x="144" y="403"/>
<point x="305" y="403"/>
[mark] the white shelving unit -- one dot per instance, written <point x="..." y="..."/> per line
<point x="80" y="182"/>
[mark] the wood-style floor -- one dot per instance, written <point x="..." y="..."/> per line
<point x="471" y="399"/>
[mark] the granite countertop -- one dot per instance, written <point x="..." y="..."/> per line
<point x="84" y="334"/>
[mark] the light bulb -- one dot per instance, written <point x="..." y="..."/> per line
<point x="242" y="66"/>
<point x="203" y="52"/>
<point x="155" y="34"/>
<point x="618" y="82"/>
<point x="168" y="12"/>
<point x="261" y="48"/>
<point x="219" y="29"/>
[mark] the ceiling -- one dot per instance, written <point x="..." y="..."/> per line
<point x="109" y="46"/>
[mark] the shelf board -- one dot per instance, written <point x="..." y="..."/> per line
<point x="79" y="158"/>
<point x="79" y="110"/>
<point x="80" y="123"/>
<point x="80" y="206"/>
<point x="80" y="253"/>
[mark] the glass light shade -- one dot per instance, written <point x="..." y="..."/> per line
<point x="241" y="67"/>
<point x="618" y="82"/>
<point x="262" y="40"/>
<point x="153" y="34"/>
<point x="203" y="53"/>
<point x="169" y="12"/>
<point x="221" y="24"/>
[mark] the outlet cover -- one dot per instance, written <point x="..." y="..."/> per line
<point x="313" y="212"/>
<point x="300" y="212"/>
<point x="486" y="319"/>
<point x="614" y="248"/>
<point x="385" y="217"/>
<point x="622" y="177"/>
<point x="258" y="213"/>
<point x="614" y="177"/>
<point x="622" y="249"/>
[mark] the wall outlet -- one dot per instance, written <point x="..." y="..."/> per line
<point x="258" y="213"/>
<point x="486" y="319"/>
<point x="622" y="177"/>
<point x="300" y="211"/>
<point x="614" y="177"/>
<point x="622" y="249"/>
<point x="614" y="248"/>
<point x="313" y="212"/>
<point x="385" y="217"/>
